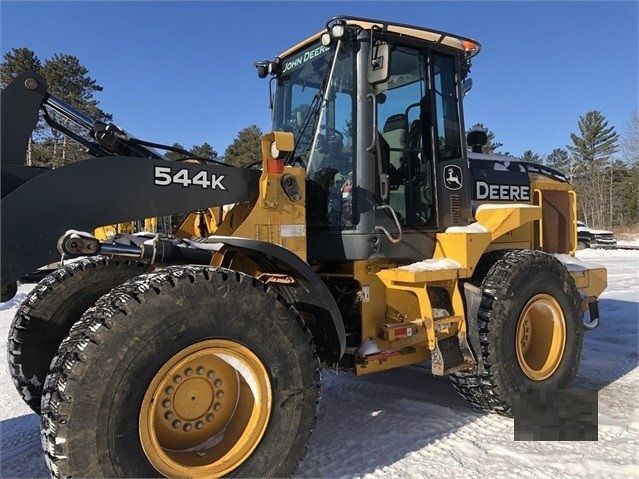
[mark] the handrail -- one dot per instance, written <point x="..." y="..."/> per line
<point x="541" y="220"/>
<point x="575" y="240"/>
<point x="384" y="230"/>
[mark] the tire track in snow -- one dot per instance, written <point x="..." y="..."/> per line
<point x="19" y="450"/>
<point x="394" y="421"/>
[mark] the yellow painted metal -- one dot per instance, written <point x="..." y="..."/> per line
<point x="381" y="307"/>
<point x="275" y="217"/>
<point x="388" y="341"/>
<point x="501" y="219"/>
<point x="456" y="255"/>
<point x="464" y="248"/>
<point x="201" y="223"/>
<point x="206" y="410"/>
<point x="234" y="218"/>
<point x="509" y="223"/>
<point x="151" y="224"/>
<point x="396" y="360"/>
<point x="104" y="232"/>
<point x="417" y="283"/>
<point x="374" y="303"/>
<point x="540" y="338"/>
<point x="543" y="182"/>
<point x="592" y="281"/>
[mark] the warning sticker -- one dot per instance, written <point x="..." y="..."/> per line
<point x="292" y="231"/>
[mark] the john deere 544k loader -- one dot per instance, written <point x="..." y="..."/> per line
<point x="370" y="238"/>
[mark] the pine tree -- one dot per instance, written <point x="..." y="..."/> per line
<point x="623" y="193"/>
<point x="531" y="157"/>
<point x="204" y="151"/>
<point x="246" y="148"/>
<point x="592" y="149"/>
<point x="174" y="155"/>
<point x="15" y="62"/>
<point x="69" y="81"/>
<point x="559" y="160"/>
<point x="597" y="142"/>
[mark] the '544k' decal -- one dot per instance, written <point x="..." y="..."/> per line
<point x="164" y="176"/>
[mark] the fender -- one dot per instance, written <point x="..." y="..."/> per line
<point x="312" y="296"/>
<point x="101" y="191"/>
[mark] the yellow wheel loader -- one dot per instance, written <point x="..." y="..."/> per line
<point x="374" y="235"/>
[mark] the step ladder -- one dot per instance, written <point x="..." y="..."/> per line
<point x="435" y="282"/>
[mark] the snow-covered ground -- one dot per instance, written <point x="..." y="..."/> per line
<point x="408" y="424"/>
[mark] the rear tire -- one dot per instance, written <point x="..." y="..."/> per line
<point x="48" y="312"/>
<point x="530" y="329"/>
<point x="112" y="405"/>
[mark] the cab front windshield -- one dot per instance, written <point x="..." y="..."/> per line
<point x="314" y="100"/>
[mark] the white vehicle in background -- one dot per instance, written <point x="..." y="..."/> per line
<point x="591" y="238"/>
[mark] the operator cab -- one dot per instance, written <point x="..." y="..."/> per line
<point x="376" y="113"/>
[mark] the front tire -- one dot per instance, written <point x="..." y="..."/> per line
<point x="530" y="329"/>
<point x="190" y="371"/>
<point x="48" y="312"/>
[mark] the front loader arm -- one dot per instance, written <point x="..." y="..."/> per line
<point x="107" y="190"/>
<point x="21" y="101"/>
<point x="127" y="180"/>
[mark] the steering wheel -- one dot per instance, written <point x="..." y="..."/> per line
<point x="332" y="133"/>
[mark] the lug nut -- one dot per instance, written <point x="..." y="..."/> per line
<point x="188" y="427"/>
<point x="199" y="425"/>
<point x="200" y="371"/>
<point x="217" y="383"/>
<point x="166" y="403"/>
<point x="177" y="423"/>
<point x="217" y="406"/>
<point x="168" y="415"/>
<point x="210" y="374"/>
<point x="188" y="372"/>
<point x="177" y="379"/>
<point x="219" y="394"/>
<point x="210" y="417"/>
<point x="169" y="390"/>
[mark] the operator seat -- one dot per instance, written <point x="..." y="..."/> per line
<point x="394" y="133"/>
<point x="419" y="194"/>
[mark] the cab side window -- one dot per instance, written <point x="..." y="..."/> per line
<point x="400" y="110"/>
<point x="446" y="107"/>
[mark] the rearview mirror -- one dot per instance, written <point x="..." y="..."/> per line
<point x="466" y="85"/>
<point x="379" y="65"/>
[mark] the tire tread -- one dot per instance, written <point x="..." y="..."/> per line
<point x="95" y="324"/>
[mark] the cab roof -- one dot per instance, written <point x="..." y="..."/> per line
<point x="467" y="45"/>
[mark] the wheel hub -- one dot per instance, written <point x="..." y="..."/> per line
<point x="205" y="410"/>
<point x="540" y="338"/>
<point x="192" y="404"/>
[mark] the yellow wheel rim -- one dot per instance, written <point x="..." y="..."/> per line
<point x="205" y="410"/>
<point x="540" y="337"/>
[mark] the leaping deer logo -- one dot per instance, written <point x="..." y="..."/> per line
<point x="452" y="177"/>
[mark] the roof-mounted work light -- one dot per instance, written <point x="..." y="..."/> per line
<point x="335" y="31"/>
<point x="262" y="68"/>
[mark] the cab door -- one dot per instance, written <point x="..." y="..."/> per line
<point x="420" y="143"/>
